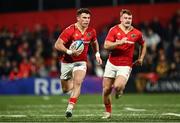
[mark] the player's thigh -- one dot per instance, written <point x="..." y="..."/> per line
<point x="79" y="72"/>
<point x="122" y="75"/>
<point x="109" y="71"/>
<point x="120" y="81"/>
<point x="66" y="71"/>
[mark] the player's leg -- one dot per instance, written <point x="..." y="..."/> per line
<point x="66" y="77"/>
<point x="79" y="73"/>
<point x="108" y="80"/>
<point x="107" y="89"/>
<point x="77" y="82"/>
<point x="78" y="78"/>
<point x="119" y="85"/>
<point x="121" y="80"/>
<point x="67" y="86"/>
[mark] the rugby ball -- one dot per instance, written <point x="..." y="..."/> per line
<point x="77" y="45"/>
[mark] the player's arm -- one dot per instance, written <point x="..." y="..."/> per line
<point x="59" y="45"/>
<point x="95" y="47"/>
<point x="109" y="45"/>
<point x="142" y="53"/>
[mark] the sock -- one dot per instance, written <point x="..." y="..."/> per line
<point x="70" y="106"/>
<point x="72" y="102"/>
<point x="108" y="107"/>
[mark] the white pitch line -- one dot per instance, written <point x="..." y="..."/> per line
<point x="172" y="114"/>
<point x="12" y="115"/>
<point x="48" y="115"/>
<point x="134" y="109"/>
<point x="46" y="97"/>
<point x="51" y="115"/>
<point x="90" y="105"/>
<point x="64" y="100"/>
<point x="63" y="115"/>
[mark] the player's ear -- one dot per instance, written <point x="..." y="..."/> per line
<point x="121" y="17"/>
<point x="78" y="17"/>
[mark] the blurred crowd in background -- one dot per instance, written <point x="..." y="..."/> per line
<point x="32" y="54"/>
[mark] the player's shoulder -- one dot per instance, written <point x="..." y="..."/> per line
<point x="70" y="27"/>
<point x="113" y="28"/>
<point x="137" y="31"/>
<point x="91" y="29"/>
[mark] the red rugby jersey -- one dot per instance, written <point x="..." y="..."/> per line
<point x="123" y="55"/>
<point x="72" y="33"/>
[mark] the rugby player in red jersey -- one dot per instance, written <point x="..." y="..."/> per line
<point x="120" y="41"/>
<point x="73" y="64"/>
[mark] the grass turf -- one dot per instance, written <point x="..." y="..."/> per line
<point x="129" y="108"/>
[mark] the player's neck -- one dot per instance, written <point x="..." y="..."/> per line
<point x="125" y="29"/>
<point x="81" y="28"/>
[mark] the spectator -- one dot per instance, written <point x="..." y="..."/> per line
<point x="162" y="67"/>
<point x="152" y="39"/>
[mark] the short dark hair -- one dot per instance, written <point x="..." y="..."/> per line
<point x="83" y="10"/>
<point x="125" y="11"/>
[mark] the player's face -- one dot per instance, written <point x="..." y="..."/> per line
<point x="126" y="20"/>
<point x="84" y="19"/>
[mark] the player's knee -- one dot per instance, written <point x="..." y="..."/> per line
<point x="107" y="90"/>
<point x="119" y="87"/>
<point x="65" y="90"/>
<point x="77" y="82"/>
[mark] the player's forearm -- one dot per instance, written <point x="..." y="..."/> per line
<point x="110" y="45"/>
<point x="60" y="47"/>
<point x="143" y="51"/>
<point x="95" y="46"/>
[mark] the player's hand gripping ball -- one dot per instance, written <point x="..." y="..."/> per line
<point x="77" y="45"/>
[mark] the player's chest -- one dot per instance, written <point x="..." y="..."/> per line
<point x="86" y="36"/>
<point x="131" y="36"/>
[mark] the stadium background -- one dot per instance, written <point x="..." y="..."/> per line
<point x="29" y="63"/>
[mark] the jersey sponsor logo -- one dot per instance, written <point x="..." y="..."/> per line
<point x="133" y="35"/>
<point x="86" y="42"/>
<point x="129" y="42"/>
<point x="88" y="34"/>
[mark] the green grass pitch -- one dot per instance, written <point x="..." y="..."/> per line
<point x="129" y="108"/>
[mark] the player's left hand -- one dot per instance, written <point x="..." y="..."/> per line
<point x="76" y="52"/>
<point x="99" y="60"/>
<point x="138" y="62"/>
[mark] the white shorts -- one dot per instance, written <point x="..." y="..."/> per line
<point x="68" y="68"/>
<point x="113" y="71"/>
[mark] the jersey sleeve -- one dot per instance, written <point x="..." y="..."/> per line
<point x="94" y="38"/>
<point x="110" y="36"/>
<point x="65" y="35"/>
<point x="141" y="39"/>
